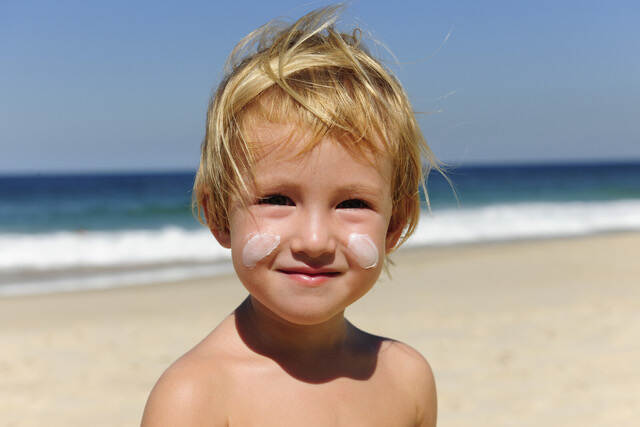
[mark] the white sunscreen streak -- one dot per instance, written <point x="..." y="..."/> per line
<point x="363" y="249"/>
<point x="257" y="247"/>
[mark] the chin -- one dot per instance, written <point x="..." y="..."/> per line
<point x="305" y="313"/>
<point x="309" y="318"/>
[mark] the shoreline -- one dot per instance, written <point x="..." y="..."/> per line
<point x="544" y="331"/>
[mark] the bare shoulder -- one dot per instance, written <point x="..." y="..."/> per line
<point x="192" y="391"/>
<point x="414" y="373"/>
<point x="186" y="394"/>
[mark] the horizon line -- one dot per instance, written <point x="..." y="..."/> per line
<point x="446" y="164"/>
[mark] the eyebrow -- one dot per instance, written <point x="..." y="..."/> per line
<point x="285" y="185"/>
<point x="359" y="188"/>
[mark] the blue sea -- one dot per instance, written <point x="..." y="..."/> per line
<point x="67" y="232"/>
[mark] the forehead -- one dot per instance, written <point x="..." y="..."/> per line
<point x="297" y="144"/>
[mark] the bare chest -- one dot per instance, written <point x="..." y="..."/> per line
<point x="284" y="401"/>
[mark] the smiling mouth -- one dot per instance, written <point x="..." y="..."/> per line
<point x="309" y="278"/>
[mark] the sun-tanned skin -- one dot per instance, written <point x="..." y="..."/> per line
<point x="370" y="381"/>
<point x="287" y="356"/>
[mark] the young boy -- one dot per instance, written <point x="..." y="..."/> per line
<point x="309" y="173"/>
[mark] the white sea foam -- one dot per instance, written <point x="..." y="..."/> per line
<point x="525" y="221"/>
<point x="67" y="261"/>
<point x="91" y="249"/>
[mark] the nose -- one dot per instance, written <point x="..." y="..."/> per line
<point x="313" y="235"/>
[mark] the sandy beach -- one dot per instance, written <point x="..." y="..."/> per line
<point x="530" y="333"/>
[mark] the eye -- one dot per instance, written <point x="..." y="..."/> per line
<point x="276" y="199"/>
<point x="353" y="204"/>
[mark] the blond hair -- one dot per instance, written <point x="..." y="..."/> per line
<point x="326" y="82"/>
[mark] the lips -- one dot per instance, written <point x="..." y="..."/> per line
<point x="309" y="276"/>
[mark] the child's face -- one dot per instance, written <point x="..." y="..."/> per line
<point x="314" y="238"/>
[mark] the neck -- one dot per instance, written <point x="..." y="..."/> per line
<point x="268" y="334"/>
<point x="311" y="353"/>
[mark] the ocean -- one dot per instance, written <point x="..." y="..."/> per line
<point x="67" y="232"/>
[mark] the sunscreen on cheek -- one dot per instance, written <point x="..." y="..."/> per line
<point x="257" y="247"/>
<point x="363" y="249"/>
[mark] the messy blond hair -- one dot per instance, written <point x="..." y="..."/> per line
<point x="325" y="82"/>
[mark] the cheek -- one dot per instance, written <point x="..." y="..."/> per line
<point x="258" y="247"/>
<point x="251" y="241"/>
<point x="364" y="250"/>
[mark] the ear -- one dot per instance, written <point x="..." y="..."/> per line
<point x="394" y="232"/>
<point x="223" y="237"/>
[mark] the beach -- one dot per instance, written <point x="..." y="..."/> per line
<point x="526" y="333"/>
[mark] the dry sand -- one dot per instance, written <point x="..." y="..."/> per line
<point x="542" y="333"/>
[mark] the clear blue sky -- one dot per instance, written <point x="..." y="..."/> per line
<point x="121" y="85"/>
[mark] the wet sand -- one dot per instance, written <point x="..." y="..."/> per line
<point x="520" y="333"/>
